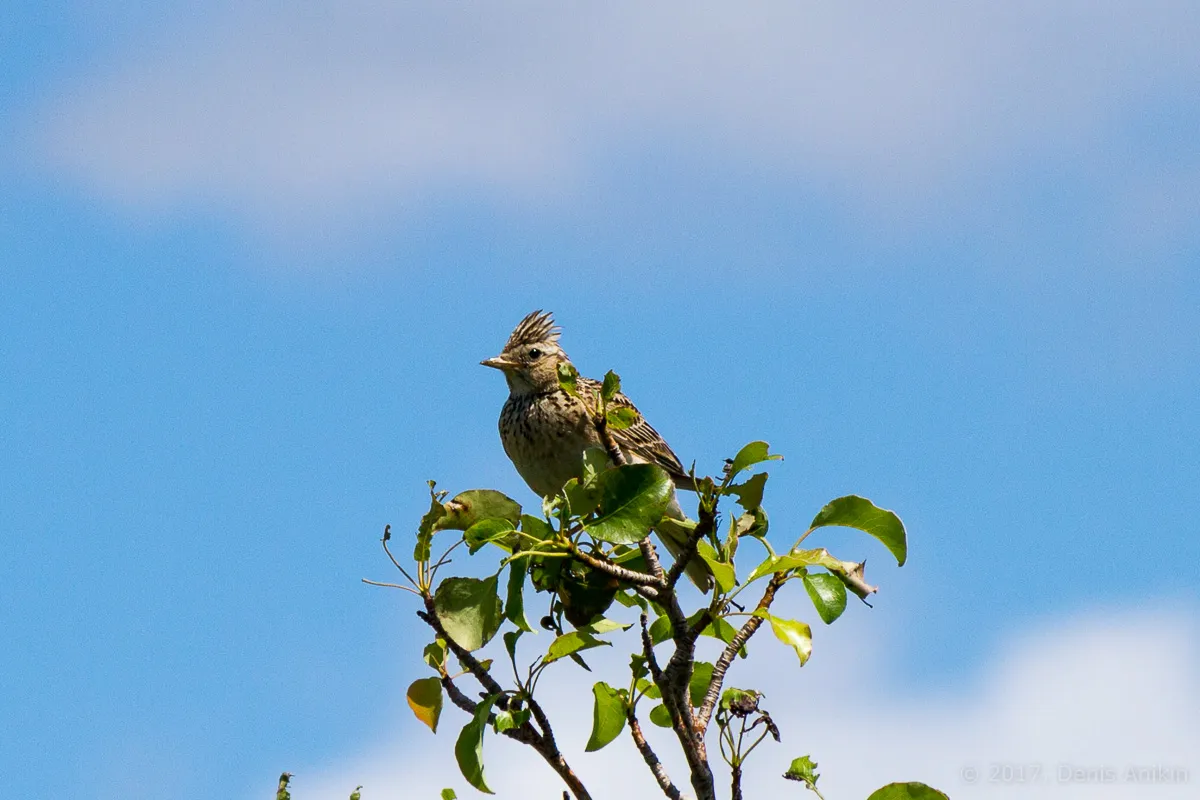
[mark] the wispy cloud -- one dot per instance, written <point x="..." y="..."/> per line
<point x="343" y="103"/>
<point x="1099" y="693"/>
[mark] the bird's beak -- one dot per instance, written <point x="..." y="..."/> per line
<point x="499" y="362"/>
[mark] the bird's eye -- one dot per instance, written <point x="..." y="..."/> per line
<point x="535" y="353"/>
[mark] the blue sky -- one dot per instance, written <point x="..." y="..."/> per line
<point x="251" y="259"/>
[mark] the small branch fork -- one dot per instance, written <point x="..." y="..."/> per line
<point x="542" y="741"/>
<point x="688" y="724"/>
<point x="704" y="712"/>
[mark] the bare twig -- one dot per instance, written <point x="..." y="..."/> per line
<point x="648" y="651"/>
<point x="391" y="586"/>
<point x="387" y="534"/>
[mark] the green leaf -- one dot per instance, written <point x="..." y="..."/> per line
<point x="510" y="644"/>
<point x="660" y="716"/>
<point x="595" y="461"/>
<point x="907" y="791"/>
<point x="568" y="378"/>
<point x="422" y="550"/>
<point x="468" y="749"/>
<point x="722" y="571"/>
<point x="730" y="546"/>
<point x="637" y="666"/>
<point x="633" y="498"/>
<point x="750" y="492"/>
<point x="751" y="454"/>
<point x="573" y="642"/>
<point x="488" y="530"/>
<point x="425" y="700"/>
<point x="604" y="625"/>
<point x="796" y="635"/>
<point x="660" y="630"/>
<point x="514" y="604"/>
<point x="469" y="610"/>
<point x="698" y="686"/>
<point x="803" y="769"/>
<point x="631" y="600"/>
<point x="721" y="630"/>
<point x="621" y="418"/>
<point x="611" y="385"/>
<point x="648" y="689"/>
<point x="608" y="716"/>
<point x="467" y="508"/>
<point x="434" y="654"/>
<point x="801" y="559"/>
<point x="449" y="794"/>
<point x="853" y="511"/>
<point x="536" y="527"/>
<point x="507" y="719"/>
<point x="828" y="594"/>
<point x="581" y="497"/>
<point x="753" y="523"/>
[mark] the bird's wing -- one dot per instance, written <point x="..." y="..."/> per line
<point x="641" y="439"/>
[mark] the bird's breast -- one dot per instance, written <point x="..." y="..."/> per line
<point x="545" y="436"/>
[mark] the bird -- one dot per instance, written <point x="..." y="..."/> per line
<point x="545" y="430"/>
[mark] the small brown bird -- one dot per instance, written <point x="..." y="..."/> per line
<point x="545" y="430"/>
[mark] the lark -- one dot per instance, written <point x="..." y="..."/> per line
<point x="545" y="430"/>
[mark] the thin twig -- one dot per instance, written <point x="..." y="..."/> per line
<point x="387" y="550"/>
<point x="803" y="536"/>
<point x="391" y="585"/>
<point x="648" y="651"/>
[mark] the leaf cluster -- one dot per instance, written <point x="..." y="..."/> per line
<point x="587" y="556"/>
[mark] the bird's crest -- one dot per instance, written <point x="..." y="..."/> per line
<point x="537" y="327"/>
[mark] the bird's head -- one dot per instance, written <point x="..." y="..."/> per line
<point x="531" y="357"/>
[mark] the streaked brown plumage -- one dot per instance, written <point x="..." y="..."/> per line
<point x="545" y="430"/>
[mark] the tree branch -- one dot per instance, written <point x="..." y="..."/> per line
<point x="703" y="528"/>
<point x="542" y="742"/>
<point x="610" y="444"/>
<point x="651" y="759"/>
<point x="469" y="662"/>
<point x="616" y="570"/>
<point x="674" y="686"/>
<point x="704" y="712"/>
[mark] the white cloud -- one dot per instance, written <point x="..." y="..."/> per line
<point x="349" y="102"/>
<point x="1100" y="693"/>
